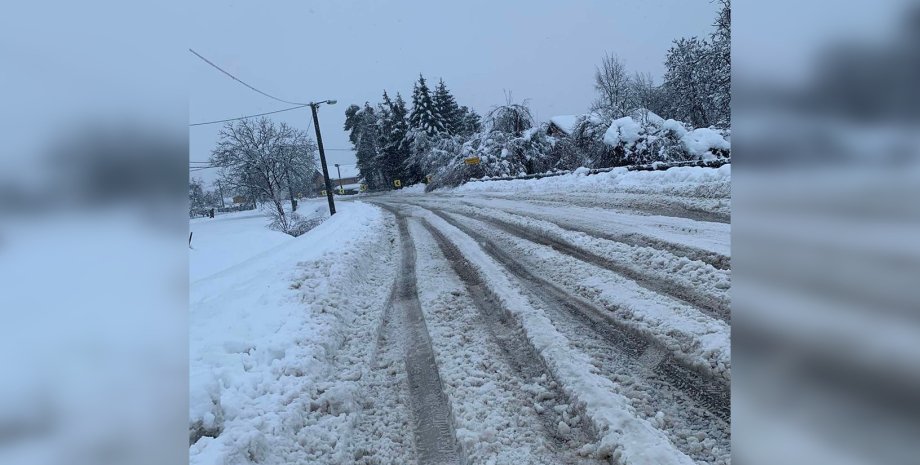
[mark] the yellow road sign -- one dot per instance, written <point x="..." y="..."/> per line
<point x="324" y="191"/>
<point x="397" y="183"/>
<point x="428" y="179"/>
<point x="341" y="190"/>
<point x="471" y="160"/>
<point x="363" y="187"/>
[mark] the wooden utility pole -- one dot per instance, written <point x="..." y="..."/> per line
<point x="322" y="157"/>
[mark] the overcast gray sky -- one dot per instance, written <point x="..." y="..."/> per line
<point x="543" y="51"/>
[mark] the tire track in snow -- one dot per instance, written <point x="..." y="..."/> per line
<point x="675" y="399"/>
<point x="507" y="404"/>
<point x="623" y="436"/>
<point x="709" y="391"/>
<point x="434" y="435"/>
<point x="384" y="431"/>
<point x="706" y="303"/>
<point x="563" y="428"/>
<point x="717" y="260"/>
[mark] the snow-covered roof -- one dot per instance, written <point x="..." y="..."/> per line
<point x="566" y="123"/>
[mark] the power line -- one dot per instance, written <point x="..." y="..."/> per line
<point x="243" y="83"/>
<point x="247" y="117"/>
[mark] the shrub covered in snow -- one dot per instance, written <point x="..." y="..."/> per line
<point x="631" y="140"/>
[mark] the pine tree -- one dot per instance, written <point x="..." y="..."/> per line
<point x="391" y="132"/>
<point x="424" y="114"/>
<point x="353" y="123"/>
<point x="446" y="109"/>
<point x="366" y="152"/>
<point x="470" y="122"/>
<point x="399" y="138"/>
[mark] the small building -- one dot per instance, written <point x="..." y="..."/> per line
<point x="562" y="125"/>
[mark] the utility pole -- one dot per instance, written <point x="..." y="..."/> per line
<point x="322" y="154"/>
<point x="340" y="176"/>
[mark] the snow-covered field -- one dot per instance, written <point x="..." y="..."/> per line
<point x="574" y="319"/>
<point x="231" y="238"/>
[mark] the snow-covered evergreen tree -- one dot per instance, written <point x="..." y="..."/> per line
<point x="424" y="115"/>
<point x="470" y="122"/>
<point x="393" y="150"/>
<point x="366" y="149"/>
<point x="446" y="109"/>
<point x="353" y="123"/>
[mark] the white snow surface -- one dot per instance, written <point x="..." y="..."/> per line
<point x="624" y="437"/>
<point x="701" y="141"/>
<point x="265" y="333"/>
<point x="413" y="189"/>
<point x="506" y="428"/>
<point x="700" y="340"/>
<point x="228" y="239"/>
<point x="684" y="180"/>
<point x="624" y="131"/>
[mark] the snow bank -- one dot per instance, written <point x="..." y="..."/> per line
<point x="624" y="437"/>
<point x="263" y="334"/>
<point x="413" y="189"/>
<point x="685" y="181"/>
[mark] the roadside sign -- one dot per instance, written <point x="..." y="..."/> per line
<point x="471" y="160"/>
<point x="324" y="191"/>
<point x="363" y="187"/>
<point x="397" y="183"/>
<point x="428" y="179"/>
<point x="341" y="190"/>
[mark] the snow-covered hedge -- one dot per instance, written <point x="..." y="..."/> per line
<point x="655" y="139"/>
<point x="596" y="141"/>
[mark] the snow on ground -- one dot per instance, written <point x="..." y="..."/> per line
<point x="413" y="189"/>
<point x="693" y="278"/>
<point x="702" y="236"/>
<point x="230" y="238"/>
<point x="278" y="341"/>
<point x="507" y="429"/>
<point x="701" y="340"/>
<point x="623" y="436"/>
<point x="683" y="180"/>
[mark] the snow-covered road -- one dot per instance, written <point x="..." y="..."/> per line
<point x="492" y="324"/>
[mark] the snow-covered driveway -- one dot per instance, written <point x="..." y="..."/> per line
<point x="497" y="323"/>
